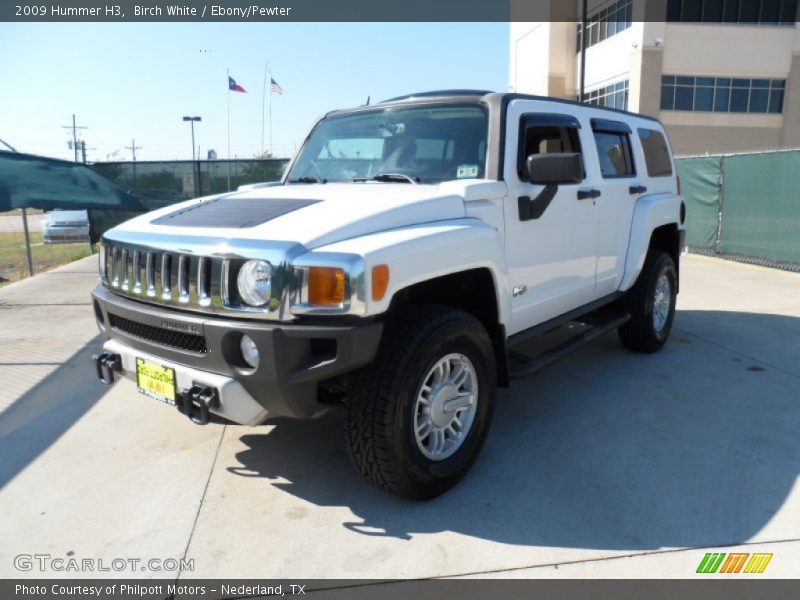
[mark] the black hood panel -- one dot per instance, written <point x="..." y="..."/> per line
<point x="232" y="212"/>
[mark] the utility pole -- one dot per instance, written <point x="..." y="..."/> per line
<point x="133" y="148"/>
<point x="74" y="128"/>
<point x="195" y="162"/>
<point x="83" y="150"/>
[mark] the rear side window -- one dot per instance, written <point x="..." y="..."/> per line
<point x="656" y="153"/>
<point x="614" y="151"/>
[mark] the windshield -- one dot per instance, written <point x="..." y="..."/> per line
<point x="426" y="144"/>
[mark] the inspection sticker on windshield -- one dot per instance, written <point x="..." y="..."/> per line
<point x="467" y="171"/>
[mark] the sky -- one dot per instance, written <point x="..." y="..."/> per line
<point x="128" y="81"/>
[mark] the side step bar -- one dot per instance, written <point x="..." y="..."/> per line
<point x="536" y="364"/>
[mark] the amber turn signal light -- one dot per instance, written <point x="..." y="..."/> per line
<point x="325" y="286"/>
<point x="380" y="281"/>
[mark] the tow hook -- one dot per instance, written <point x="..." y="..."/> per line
<point x="196" y="401"/>
<point x="106" y="363"/>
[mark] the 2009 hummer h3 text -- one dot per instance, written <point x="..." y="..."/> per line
<point x="410" y="250"/>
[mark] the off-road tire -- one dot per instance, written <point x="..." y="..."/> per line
<point x="639" y="333"/>
<point x="382" y="396"/>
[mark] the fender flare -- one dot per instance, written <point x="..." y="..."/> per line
<point x="649" y="213"/>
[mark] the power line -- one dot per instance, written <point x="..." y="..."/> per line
<point x="74" y="135"/>
<point x="133" y="148"/>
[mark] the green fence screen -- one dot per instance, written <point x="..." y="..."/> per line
<point x="744" y="206"/>
<point x="761" y="206"/>
<point x="700" y="185"/>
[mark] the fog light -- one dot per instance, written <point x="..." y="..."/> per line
<point x="249" y="351"/>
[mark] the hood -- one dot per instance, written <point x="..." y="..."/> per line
<point x="313" y="215"/>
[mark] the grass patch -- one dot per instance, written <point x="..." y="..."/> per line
<point x="45" y="256"/>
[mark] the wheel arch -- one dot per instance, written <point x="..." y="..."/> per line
<point x="656" y="225"/>
<point x="475" y="291"/>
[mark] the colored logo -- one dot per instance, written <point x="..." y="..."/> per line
<point x="735" y="562"/>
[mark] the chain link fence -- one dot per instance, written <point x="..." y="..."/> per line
<point x="181" y="180"/>
<point x="153" y="183"/>
<point x="45" y="252"/>
<point x="744" y="207"/>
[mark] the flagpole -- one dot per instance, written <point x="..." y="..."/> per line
<point x="270" y="112"/>
<point x="263" y="102"/>
<point x="228" y="73"/>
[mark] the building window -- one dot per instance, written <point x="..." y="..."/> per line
<point x="761" y="12"/>
<point x="606" y="22"/>
<point x="610" y="96"/>
<point x="722" y="94"/>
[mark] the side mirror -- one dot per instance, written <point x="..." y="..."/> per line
<point x="553" y="169"/>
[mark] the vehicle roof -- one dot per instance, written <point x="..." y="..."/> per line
<point x="487" y="96"/>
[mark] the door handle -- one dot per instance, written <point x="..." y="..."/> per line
<point x="637" y="189"/>
<point x="584" y="194"/>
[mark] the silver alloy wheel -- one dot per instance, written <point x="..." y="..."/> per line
<point x="661" y="302"/>
<point x="445" y="408"/>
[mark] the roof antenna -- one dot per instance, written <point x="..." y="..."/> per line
<point x="368" y="97"/>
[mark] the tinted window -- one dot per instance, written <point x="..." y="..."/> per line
<point x="656" y="153"/>
<point x="739" y="99"/>
<point x="614" y="152"/>
<point x="684" y="97"/>
<point x="692" y="11"/>
<point x="545" y="139"/>
<point x="712" y="11"/>
<point x="722" y="94"/>
<point x="703" y="98"/>
<point x="767" y="12"/>
<point x="748" y="11"/>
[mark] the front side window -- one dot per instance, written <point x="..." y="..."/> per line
<point x="545" y="138"/>
<point x="426" y="143"/>
<point x="614" y="151"/>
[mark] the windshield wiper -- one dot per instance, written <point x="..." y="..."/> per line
<point x="389" y="177"/>
<point x="307" y="179"/>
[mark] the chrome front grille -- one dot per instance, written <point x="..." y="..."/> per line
<point x="197" y="273"/>
<point x="165" y="277"/>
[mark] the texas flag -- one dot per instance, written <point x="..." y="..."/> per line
<point x="233" y="86"/>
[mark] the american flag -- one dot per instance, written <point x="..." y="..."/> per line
<point x="275" y="87"/>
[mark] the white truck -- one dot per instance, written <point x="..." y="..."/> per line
<point x="411" y="250"/>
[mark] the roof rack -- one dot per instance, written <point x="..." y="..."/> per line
<point x="438" y="93"/>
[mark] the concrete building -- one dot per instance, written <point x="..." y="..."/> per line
<point x="722" y="75"/>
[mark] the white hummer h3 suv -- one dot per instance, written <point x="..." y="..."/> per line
<point x="410" y="251"/>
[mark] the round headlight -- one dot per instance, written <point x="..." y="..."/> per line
<point x="255" y="282"/>
<point x="249" y="351"/>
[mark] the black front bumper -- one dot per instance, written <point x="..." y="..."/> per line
<point x="293" y="358"/>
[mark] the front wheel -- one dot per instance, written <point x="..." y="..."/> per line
<point x="651" y="302"/>
<point x="418" y="415"/>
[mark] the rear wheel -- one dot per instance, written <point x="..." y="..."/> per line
<point x="652" y="305"/>
<point x="418" y="415"/>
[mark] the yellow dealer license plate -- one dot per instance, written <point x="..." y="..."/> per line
<point x="155" y="381"/>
